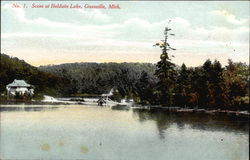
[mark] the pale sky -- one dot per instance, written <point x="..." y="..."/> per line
<point x="41" y="36"/>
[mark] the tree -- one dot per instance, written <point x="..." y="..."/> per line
<point x="165" y="72"/>
<point x="183" y="86"/>
<point x="218" y="84"/>
<point x="236" y="79"/>
<point x="144" y="89"/>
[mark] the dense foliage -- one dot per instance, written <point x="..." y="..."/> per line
<point x="213" y="86"/>
<point x="208" y="86"/>
<point x="98" y="78"/>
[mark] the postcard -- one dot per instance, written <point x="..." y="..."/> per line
<point x="124" y="80"/>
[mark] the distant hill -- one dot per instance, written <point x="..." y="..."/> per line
<point x="14" y="68"/>
<point x="98" y="78"/>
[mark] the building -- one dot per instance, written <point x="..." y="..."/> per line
<point x="108" y="95"/>
<point x="20" y="87"/>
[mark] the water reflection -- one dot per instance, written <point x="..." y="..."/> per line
<point x="26" y="109"/>
<point x="92" y="132"/>
<point x="120" y="107"/>
<point x="200" y="121"/>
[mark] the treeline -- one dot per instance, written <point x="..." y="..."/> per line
<point x="209" y="86"/>
<point x="99" y="78"/>
<point x="45" y="83"/>
<point x="213" y="86"/>
<point x="206" y="86"/>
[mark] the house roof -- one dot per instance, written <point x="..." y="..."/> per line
<point x="19" y="83"/>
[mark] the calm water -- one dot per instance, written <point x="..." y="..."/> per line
<point x="84" y="132"/>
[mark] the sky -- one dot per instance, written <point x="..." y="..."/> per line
<point x="41" y="36"/>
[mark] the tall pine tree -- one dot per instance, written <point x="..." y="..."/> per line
<point x="165" y="72"/>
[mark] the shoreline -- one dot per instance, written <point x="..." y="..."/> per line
<point x="34" y="104"/>
<point x="207" y="111"/>
<point x="37" y="103"/>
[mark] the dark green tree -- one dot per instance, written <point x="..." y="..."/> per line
<point x="165" y="72"/>
<point x="144" y="89"/>
<point x="218" y="84"/>
<point x="183" y="86"/>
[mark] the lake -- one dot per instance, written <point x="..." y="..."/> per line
<point x="101" y="133"/>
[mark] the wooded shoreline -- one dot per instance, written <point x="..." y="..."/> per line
<point x="210" y="86"/>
